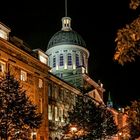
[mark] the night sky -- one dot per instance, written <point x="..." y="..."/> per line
<point x="96" y="21"/>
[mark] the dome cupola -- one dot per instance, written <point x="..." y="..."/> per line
<point x="67" y="53"/>
<point x="66" y="35"/>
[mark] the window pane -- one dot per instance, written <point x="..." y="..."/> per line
<point x="56" y="113"/>
<point x="69" y="59"/>
<point x="23" y="75"/>
<point x="54" y="61"/>
<point x="50" y="112"/>
<point x="40" y="85"/>
<point x="77" y="60"/>
<point x="61" y="60"/>
<point x="43" y="59"/>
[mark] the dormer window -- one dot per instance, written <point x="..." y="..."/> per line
<point x="4" y="31"/>
<point x="42" y="56"/>
<point x="3" y="34"/>
<point x="42" y="59"/>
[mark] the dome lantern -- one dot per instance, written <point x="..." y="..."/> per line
<point x="66" y="24"/>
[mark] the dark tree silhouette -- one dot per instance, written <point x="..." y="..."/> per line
<point x="18" y="115"/>
<point x="128" y="38"/>
<point x="133" y="120"/>
<point x="91" y="121"/>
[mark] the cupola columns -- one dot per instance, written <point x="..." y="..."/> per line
<point x="66" y="24"/>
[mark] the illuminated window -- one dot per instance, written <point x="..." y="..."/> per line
<point x="23" y="75"/>
<point x="40" y="84"/>
<point x="83" y="70"/>
<point x="61" y="114"/>
<point x="42" y="59"/>
<point x="2" y="67"/>
<point x="49" y="112"/>
<point x="69" y="59"/>
<point x="61" y="62"/>
<point x="56" y="113"/>
<point x="3" y="34"/>
<point x="77" y="60"/>
<point x="54" y="61"/>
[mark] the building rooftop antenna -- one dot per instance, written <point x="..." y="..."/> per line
<point x="66" y="8"/>
<point x="66" y="21"/>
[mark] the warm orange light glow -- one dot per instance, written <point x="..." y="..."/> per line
<point x="73" y="129"/>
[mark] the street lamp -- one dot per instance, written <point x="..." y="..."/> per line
<point x="73" y="130"/>
<point x="120" y="135"/>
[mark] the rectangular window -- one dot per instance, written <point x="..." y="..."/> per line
<point x="3" y="34"/>
<point x="49" y="112"/>
<point x="61" y="60"/>
<point x="54" y="61"/>
<point x="56" y="114"/>
<point x="69" y="59"/>
<point x="2" y="67"/>
<point x="42" y="59"/>
<point x="61" y="111"/>
<point x="77" y="60"/>
<point x="40" y="84"/>
<point x="23" y="76"/>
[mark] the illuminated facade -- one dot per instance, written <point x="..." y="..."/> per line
<point x="54" y="78"/>
<point x="26" y="66"/>
<point x="67" y="54"/>
<point x="51" y="93"/>
<point x="68" y="59"/>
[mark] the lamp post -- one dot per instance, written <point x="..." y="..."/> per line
<point x="73" y="130"/>
<point x="119" y="135"/>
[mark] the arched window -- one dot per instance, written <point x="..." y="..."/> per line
<point x="69" y="59"/>
<point x="77" y="60"/>
<point x="54" y="61"/>
<point x="61" y="61"/>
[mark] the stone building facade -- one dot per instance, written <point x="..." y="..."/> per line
<point x="26" y="66"/>
<point x="52" y="79"/>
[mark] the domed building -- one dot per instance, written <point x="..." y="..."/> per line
<point x="67" y="54"/>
